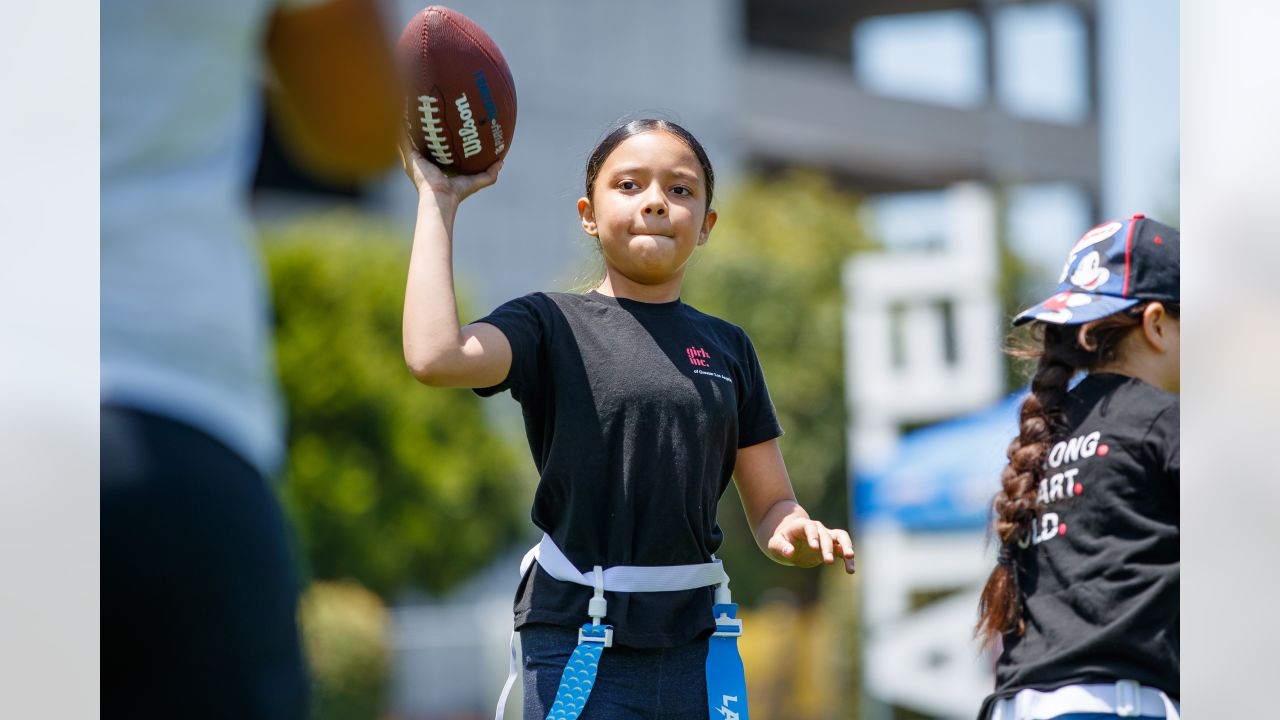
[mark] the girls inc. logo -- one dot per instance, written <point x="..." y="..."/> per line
<point x="698" y="356"/>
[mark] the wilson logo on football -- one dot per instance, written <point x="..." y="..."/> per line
<point x="470" y="137"/>
<point x="486" y="97"/>
<point x="433" y="133"/>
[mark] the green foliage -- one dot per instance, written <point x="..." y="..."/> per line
<point x="344" y="630"/>
<point x="390" y="482"/>
<point x="773" y="267"/>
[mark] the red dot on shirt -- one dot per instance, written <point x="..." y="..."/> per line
<point x="1079" y="488"/>
<point x="1159" y="240"/>
<point x="1103" y="450"/>
<point x="1062" y="529"/>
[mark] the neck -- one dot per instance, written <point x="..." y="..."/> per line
<point x="1145" y="367"/>
<point x="615" y="284"/>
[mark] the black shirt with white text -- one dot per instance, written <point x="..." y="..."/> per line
<point x="1100" y="568"/>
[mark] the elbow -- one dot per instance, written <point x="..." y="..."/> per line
<point x="424" y="367"/>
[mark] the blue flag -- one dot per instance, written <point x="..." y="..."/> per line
<point x="726" y="679"/>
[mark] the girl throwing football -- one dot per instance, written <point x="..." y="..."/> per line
<point x="639" y="410"/>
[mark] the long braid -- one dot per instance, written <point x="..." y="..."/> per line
<point x="1061" y="352"/>
<point x="1041" y="417"/>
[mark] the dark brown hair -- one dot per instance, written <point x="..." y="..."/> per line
<point x="1060" y="352"/>
<point x="637" y="127"/>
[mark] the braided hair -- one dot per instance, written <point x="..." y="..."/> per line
<point x="1060" y="351"/>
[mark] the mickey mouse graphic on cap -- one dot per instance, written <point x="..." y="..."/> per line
<point x="1114" y="266"/>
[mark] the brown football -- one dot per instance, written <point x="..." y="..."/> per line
<point x="460" y="109"/>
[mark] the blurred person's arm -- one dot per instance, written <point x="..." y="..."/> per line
<point x="782" y="528"/>
<point x="334" y="90"/>
<point x="436" y="349"/>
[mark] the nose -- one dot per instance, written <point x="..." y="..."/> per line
<point x="655" y="203"/>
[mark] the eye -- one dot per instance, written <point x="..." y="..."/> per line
<point x="628" y="185"/>
<point x="681" y="190"/>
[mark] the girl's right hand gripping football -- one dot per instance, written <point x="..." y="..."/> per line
<point x="427" y="178"/>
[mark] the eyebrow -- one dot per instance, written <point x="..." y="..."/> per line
<point x="643" y="169"/>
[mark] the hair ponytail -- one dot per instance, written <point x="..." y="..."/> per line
<point x="1000" y="606"/>
<point x="1062" y="351"/>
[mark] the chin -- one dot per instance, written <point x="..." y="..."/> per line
<point x="651" y="258"/>
<point x="649" y="276"/>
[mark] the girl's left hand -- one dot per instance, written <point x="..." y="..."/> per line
<point x="806" y="543"/>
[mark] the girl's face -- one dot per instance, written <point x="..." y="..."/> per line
<point x="648" y="208"/>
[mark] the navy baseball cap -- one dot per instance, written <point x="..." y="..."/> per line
<point x="1114" y="266"/>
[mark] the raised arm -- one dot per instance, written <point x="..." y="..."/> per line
<point x="436" y="349"/>
<point x="783" y="530"/>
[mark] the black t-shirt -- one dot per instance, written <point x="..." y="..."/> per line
<point x="634" y="413"/>
<point x="1100" y="568"/>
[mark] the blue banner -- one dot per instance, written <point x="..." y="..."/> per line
<point x="944" y="476"/>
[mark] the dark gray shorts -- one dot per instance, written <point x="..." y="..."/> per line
<point x="666" y="683"/>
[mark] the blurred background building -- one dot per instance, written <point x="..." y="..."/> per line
<point x="977" y="139"/>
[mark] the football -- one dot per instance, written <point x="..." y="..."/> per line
<point x="460" y="105"/>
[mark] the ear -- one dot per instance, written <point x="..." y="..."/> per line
<point x="707" y="223"/>
<point x="1155" y="326"/>
<point x="587" y="216"/>
<point x="1084" y="336"/>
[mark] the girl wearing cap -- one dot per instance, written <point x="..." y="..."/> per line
<point x="1084" y="597"/>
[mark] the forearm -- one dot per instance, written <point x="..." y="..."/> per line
<point x="431" y="332"/>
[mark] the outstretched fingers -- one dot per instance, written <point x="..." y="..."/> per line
<point x="781" y="547"/>
<point x="812" y="534"/>
<point x="830" y="543"/>
<point x="844" y="546"/>
<point x="807" y="543"/>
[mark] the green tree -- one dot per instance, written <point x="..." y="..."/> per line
<point x="346" y="635"/>
<point x="390" y="483"/>
<point x="773" y="267"/>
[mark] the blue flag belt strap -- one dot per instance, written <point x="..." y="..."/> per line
<point x="726" y="686"/>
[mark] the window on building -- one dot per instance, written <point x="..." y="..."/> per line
<point x="1041" y="58"/>
<point x="907" y="221"/>
<point x="935" y="57"/>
